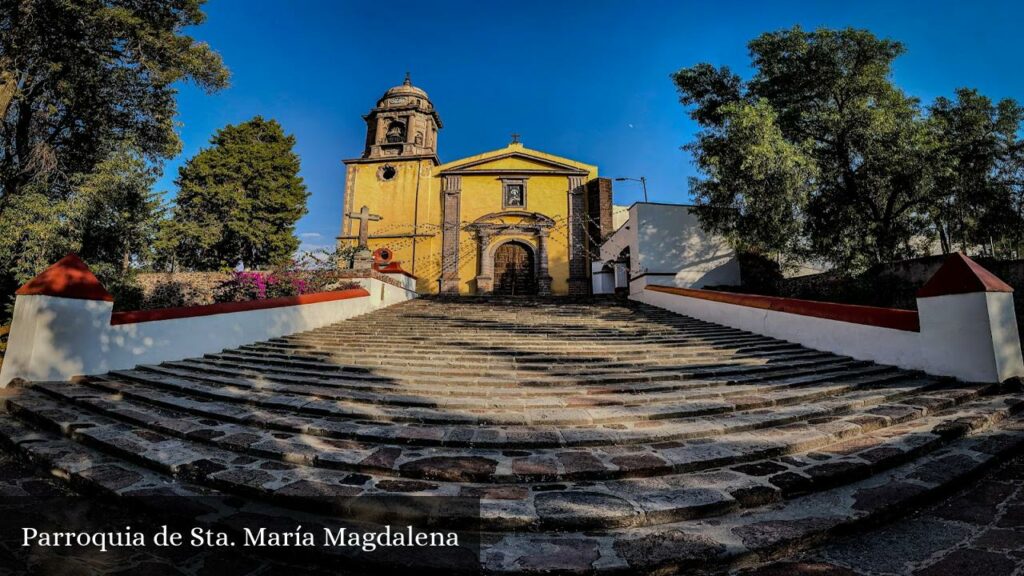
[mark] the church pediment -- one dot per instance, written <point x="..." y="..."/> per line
<point x="516" y="160"/>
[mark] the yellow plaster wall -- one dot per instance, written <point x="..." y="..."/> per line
<point x="481" y="194"/>
<point x="396" y="201"/>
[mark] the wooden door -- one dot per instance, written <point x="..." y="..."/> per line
<point x="514" y="270"/>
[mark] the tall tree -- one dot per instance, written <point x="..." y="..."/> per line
<point x="117" y="214"/>
<point x="757" y="182"/>
<point x="238" y="200"/>
<point x="77" y="74"/>
<point x="77" y="79"/>
<point x="833" y="98"/>
<point x="978" y="162"/>
<point x="110" y="220"/>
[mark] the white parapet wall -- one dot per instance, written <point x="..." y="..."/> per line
<point x="58" y="337"/>
<point x="866" y="342"/>
<point x="965" y="326"/>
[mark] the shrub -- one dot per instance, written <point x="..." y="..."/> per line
<point x="172" y="294"/>
<point x="289" y="280"/>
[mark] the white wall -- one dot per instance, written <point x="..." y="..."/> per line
<point x="884" y="345"/>
<point x="602" y="280"/>
<point x="56" y="338"/>
<point x="667" y="243"/>
<point x="971" y="337"/>
<point x="622" y="238"/>
<point x="669" y="239"/>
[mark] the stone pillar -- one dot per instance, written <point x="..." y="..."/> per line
<point x="543" y="277"/>
<point x="579" y="277"/>
<point x="363" y="260"/>
<point x="485" y="279"/>
<point x="450" y="231"/>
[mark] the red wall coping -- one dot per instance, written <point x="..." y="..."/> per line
<point x="137" y="316"/>
<point x="393" y="268"/>
<point x="893" y="318"/>
<point x="961" y="275"/>
<point x="69" y="277"/>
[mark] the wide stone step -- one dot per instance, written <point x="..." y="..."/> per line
<point x="83" y="406"/>
<point x="806" y="374"/>
<point x="444" y="435"/>
<point x="684" y="367"/>
<point x="440" y="356"/>
<point x="529" y="342"/>
<point x="320" y="403"/>
<point x="402" y="394"/>
<point x="694" y="371"/>
<point x="230" y="373"/>
<point x="642" y="502"/>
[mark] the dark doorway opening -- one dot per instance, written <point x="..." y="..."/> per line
<point x="514" y="270"/>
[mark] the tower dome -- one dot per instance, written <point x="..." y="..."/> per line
<point x="405" y="89"/>
<point x="403" y="124"/>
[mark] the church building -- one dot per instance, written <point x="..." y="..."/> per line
<point x="509" y="221"/>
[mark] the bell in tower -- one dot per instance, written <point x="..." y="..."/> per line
<point x="403" y="124"/>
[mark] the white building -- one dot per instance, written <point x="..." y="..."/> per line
<point x="665" y="245"/>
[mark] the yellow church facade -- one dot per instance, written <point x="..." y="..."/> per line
<point x="510" y="221"/>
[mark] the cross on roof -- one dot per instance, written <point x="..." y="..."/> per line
<point x="515" y="138"/>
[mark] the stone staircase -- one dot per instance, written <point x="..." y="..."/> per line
<point x="600" y="437"/>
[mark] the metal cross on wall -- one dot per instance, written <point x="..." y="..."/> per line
<point x="364" y="218"/>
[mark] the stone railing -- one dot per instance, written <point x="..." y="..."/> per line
<point x="964" y="327"/>
<point x="64" y="324"/>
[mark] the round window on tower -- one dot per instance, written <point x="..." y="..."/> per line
<point x="387" y="172"/>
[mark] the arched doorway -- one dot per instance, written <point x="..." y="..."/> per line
<point x="515" y="272"/>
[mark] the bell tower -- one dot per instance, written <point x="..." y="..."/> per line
<point x="403" y="124"/>
<point x="388" y="188"/>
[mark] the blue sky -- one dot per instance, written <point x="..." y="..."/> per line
<point x="583" y="79"/>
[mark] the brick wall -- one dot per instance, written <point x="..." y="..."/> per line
<point x="172" y="289"/>
<point x="599" y="211"/>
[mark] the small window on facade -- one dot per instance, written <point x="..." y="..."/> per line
<point x="387" y="172"/>
<point x="515" y="194"/>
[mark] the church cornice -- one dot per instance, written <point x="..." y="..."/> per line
<point x="557" y="168"/>
<point x="515" y="172"/>
<point x="391" y="159"/>
<point x="382" y="111"/>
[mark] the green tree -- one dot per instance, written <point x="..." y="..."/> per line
<point x="757" y="183"/>
<point x="978" y="163"/>
<point x="833" y="99"/>
<point x="79" y="78"/>
<point x="78" y="74"/>
<point x="117" y="213"/>
<point x="110" y="219"/>
<point x="238" y="200"/>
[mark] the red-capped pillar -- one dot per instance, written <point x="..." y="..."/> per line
<point x="58" y="318"/>
<point x="968" y="323"/>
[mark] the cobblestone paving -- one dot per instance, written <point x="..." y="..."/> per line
<point x="20" y="481"/>
<point x="599" y="437"/>
<point x="976" y="532"/>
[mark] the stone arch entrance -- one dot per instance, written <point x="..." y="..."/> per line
<point x="529" y="233"/>
<point x="515" y="269"/>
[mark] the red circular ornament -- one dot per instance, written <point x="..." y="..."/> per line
<point x="383" y="255"/>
